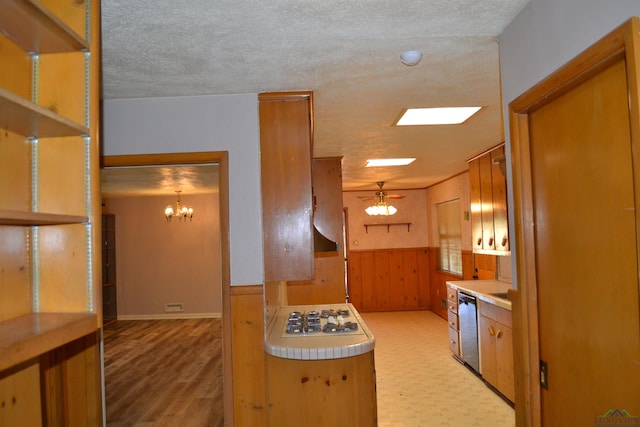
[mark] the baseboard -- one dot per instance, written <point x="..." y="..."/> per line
<point x="166" y="316"/>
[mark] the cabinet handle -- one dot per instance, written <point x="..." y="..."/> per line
<point x="492" y="332"/>
<point x="453" y="342"/>
<point x="490" y="241"/>
<point x="452" y="323"/>
<point x="504" y="241"/>
<point x="499" y="334"/>
<point x="452" y="307"/>
<point x="479" y="241"/>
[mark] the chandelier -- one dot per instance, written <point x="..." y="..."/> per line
<point x="181" y="211"/>
<point x="381" y="207"/>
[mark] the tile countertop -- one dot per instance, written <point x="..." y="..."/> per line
<point x="317" y="345"/>
<point x="482" y="289"/>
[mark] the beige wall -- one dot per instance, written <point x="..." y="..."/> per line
<point x="418" y="207"/>
<point x="160" y="262"/>
<point x="412" y="208"/>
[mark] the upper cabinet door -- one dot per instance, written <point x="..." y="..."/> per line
<point x="499" y="194"/>
<point x="476" y="205"/>
<point x="488" y="194"/>
<point x="285" y="150"/>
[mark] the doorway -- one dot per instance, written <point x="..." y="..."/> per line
<point x="194" y="159"/>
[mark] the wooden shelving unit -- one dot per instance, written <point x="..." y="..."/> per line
<point x="49" y="213"/>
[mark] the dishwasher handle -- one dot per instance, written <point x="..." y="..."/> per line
<point x="466" y="299"/>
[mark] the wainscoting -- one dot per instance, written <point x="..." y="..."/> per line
<point x="408" y="278"/>
<point x="389" y="279"/>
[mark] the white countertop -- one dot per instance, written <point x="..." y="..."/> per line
<point x="482" y="289"/>
<point x="317" y="345"/>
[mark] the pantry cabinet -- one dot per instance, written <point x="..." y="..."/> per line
<point x="496" y="348"/>
<point x="488" y="189"/>
<point x="286" y="130"/>
<point x="49" y="220"/>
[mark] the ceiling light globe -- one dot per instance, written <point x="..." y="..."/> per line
<point x="411" y="57"/>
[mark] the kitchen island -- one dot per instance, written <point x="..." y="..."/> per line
<point x="320" y="367"/>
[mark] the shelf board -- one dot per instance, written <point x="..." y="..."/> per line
<point x="388" y="225"/>
<point x="29" y="336"/>
<point x="31" y="120"/>
<point x="35" y="29"/>
<point x="8" y="217"/>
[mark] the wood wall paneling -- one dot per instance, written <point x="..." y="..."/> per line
<point x="248" y="364"/>
<point x="390" y="279"/>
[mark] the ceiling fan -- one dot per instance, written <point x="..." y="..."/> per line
<point x="380" y="195"/>
<point x="381" y="207"/>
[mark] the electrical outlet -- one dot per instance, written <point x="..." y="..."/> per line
<point x="176" y="307"/>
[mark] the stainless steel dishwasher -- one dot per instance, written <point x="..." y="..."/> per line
<point x="468" y="321"/>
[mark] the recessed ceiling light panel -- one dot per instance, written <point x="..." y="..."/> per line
<point x="436" y="116"/>
<point x="389" y="162"/>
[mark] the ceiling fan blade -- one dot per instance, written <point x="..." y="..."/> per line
<point x="393" y="196"/>
<point x="366" y="197"/>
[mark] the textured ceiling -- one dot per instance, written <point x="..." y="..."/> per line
<point x="346" y="52"/>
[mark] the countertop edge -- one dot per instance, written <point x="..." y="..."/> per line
<point x="355" y="347"/>
<point x="483" y="295"/>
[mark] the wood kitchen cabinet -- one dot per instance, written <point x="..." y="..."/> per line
<point x="286" y="130"/>
<point x="49" y="213"/>
<point x="328" y="285"/>
<point x="496" y="348"/>
<point x="488" y="191"/>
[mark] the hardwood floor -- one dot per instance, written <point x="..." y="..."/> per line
<point x="164" y="373"/>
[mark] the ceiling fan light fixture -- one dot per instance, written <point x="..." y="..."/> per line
<point x="381" y="207"/>
<point x="436" y="116"/>
<point x="411" y="57"/>
<point x="389" y="162"/>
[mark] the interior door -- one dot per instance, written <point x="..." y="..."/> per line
<point x="586" y="268"/>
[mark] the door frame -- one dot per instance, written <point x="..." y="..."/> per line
<point x="195" y="158"/>
<point x="621" y="43"/>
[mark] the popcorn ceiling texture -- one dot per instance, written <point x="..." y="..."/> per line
<point x="347" y="52"/>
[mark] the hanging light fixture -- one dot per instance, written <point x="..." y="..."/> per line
<point x="181" y="211"/>
<point x="381" y="207"/>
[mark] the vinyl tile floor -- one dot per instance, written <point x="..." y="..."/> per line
<point x="420" y="384"/>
